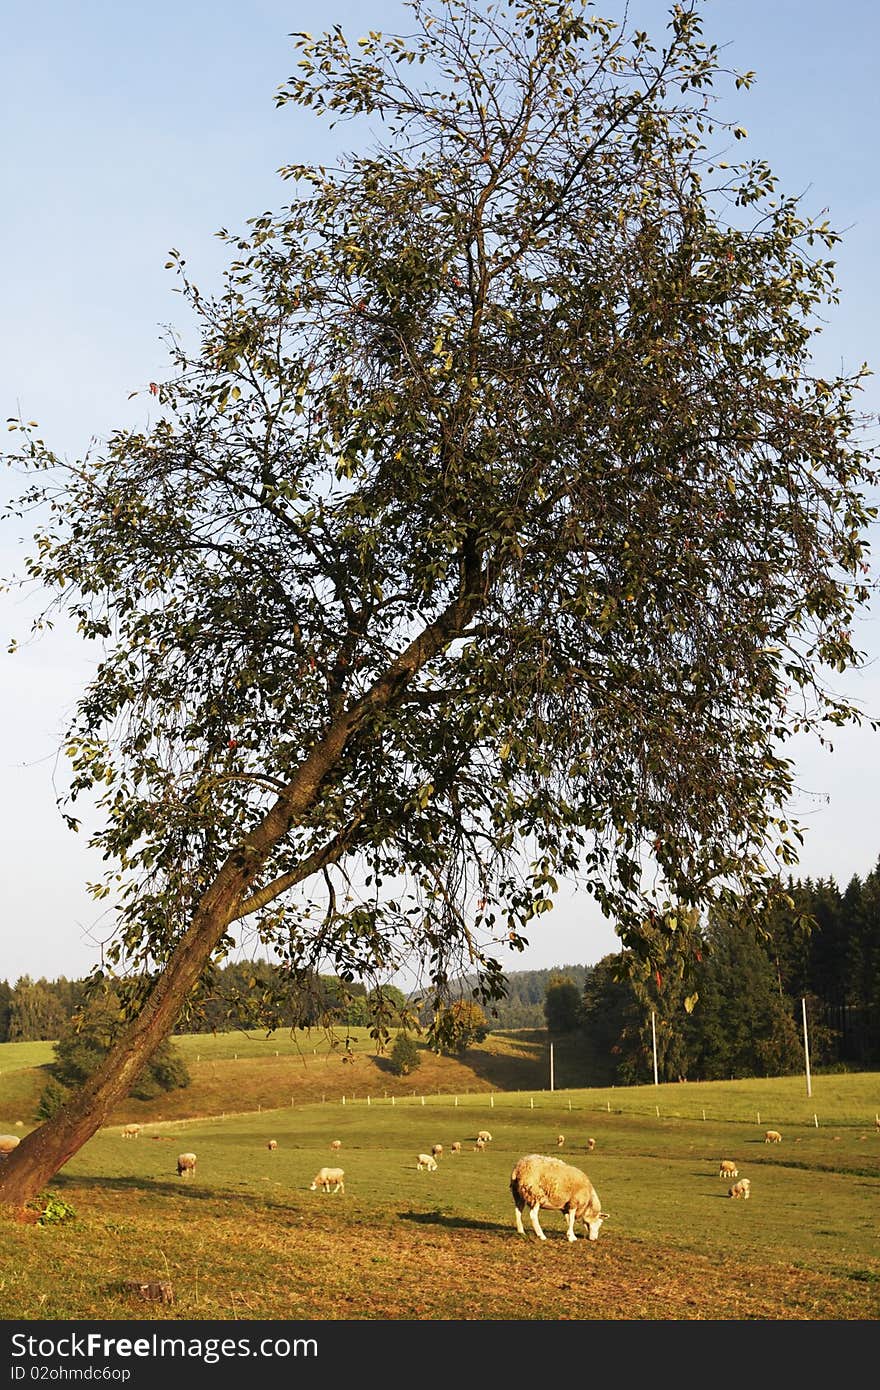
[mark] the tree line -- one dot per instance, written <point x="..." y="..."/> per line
<point x="744" y="1016"/>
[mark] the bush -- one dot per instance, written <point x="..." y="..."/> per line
<point x="405" y="1056"/>
<point x="84" y="1044"/>
<point x="52" y="1097"/>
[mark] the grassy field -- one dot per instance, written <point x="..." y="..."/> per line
<point x="246" y="1238"/>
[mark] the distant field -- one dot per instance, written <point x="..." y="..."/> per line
<point x="245" y="1237"/>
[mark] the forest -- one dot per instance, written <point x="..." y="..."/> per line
<point x="752" y="986"/>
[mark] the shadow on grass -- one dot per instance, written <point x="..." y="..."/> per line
<point x="451" y="1223"/>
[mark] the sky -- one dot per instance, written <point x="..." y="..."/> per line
<point x="129" y="130"/>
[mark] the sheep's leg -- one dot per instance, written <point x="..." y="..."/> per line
<point x="533" y="1216"/>
<point x="519" y="1224"/>
<point x="569" y="1218"/>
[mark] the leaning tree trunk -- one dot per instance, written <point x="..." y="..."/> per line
<point x="43" y="1152"/>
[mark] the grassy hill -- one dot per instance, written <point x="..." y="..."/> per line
<point x="245" y="1237"/>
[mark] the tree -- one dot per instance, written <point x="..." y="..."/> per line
<point x="562" y="1005"/>
<point x="405" y="1056"/>
<point x="34" y="1011"/>
<point x="86" y="1041"/>
<point x="497" y="528"/>
<point x="458" y="1025"/>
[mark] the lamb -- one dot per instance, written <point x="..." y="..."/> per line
<point x="538" y="1181"/>
<point x="426" y="1161"/>
<point x="131" y="1131"/>
<point x="772" y="1136"/>
<point x="728" y="1169"/>
<point x="272" y="1145"/>
<point x="591" y="1144"/>
<point x="8" y="1142"/>
<point x="336" y="1145"/>
<point x="455" y="1148"/>
<point x="740" y="1189"/>
<point x="436" y="1150"/>
<point x="186" y="1165"/>
<point x="325" y="1178"/>
<point x="560" y="1140"/>
<point x="485" y="1136"/>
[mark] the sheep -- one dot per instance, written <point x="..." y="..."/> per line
<point x="591" y="1144"/>
<point x="772" y="1136"/>
<point x="426" y="1161"/>
<point x="728" y="1169"/>
<point x="740" y="1189"/>
<point x="325" y="1178"/>
<point x="560" y="1140"/>
<point x="272" y="1145"/>
<point x="538" y="1181"/>
<point x="186" y="1165"/>
<point x="485" y="1136"/>
<point x="436" y="1150"/>
<point x="8" y="1142"/>
<point x="455" y="1148"/>
<point x="336" y="1145"/>
<point x="131" y="1131"/>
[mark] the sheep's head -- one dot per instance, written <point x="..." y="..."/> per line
<point x="593" y="1225"/>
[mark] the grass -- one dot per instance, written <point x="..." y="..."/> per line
<point x="246" y="1238"/>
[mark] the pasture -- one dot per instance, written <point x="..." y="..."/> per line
<point x="244" y="1237"/>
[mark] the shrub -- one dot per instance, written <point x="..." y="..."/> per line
<point x="405" y="1056"/>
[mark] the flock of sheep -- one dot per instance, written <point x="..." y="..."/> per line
<point x="537" y="1181"/>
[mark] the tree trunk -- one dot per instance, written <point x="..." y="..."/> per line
<point x="43" y="1152"/>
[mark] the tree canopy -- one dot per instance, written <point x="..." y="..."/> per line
<point x="496" y="528"/>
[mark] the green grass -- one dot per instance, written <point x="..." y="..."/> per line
<point x="245" y="1237"/>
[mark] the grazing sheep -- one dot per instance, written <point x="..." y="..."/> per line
<point x="479" y="1146"/>
<point x="426" y="1161"/>
<point x="131" y="1131"/>
<point x="186" y="1165"/>
<point x="560" y="1140"/>
<point x="436" y="1150"/>
<point x="740" y="1189"/>
<point x="728" y="1169"/>
<point x="8" y="1142"/>
<point x="272" y="1145"/>
<point x="336" y="1145"/>
<point x="325" y="1178"/>
<point x="455" y="1148"/>
<point x="485" y="1136"/>
<point x="538" y="1181"/>
<point x="772" y="1136"/>
<point x="591" y="1144"/>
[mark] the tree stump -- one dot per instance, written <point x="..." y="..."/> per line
<point x="153" y="1290"/>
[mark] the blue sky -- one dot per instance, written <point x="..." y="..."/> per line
<point x="130" y="130"/>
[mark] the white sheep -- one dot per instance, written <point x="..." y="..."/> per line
<point x="186" y="1165"/>
<point x="772" y="1136"/>
<point x="538" y="1181"/>
<point x="325" y="1178"/>
<point x="436" y="1150"/>
<point x="728" y="1169"/>
<point x="336" y="1145"/>
<point x="591" y="1144"/>
<point x="272" y="1145"/>
<point x="740" y="1189"/>
<point x="485" y="1136"/>
<point x="131" y="1131"/>
<point x="456" y="1147"/>
<point x="426" y="1161"/>
<point x="480" y="1145"/>
<point x="8" y="1142"/>
<point x="560" y="1140"/>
